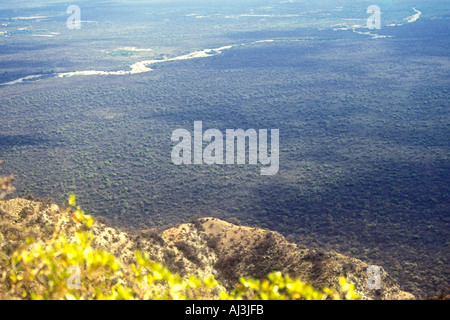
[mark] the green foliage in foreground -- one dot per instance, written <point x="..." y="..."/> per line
<point x="44" y="270"/>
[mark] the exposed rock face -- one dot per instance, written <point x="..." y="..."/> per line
<point x="207" y="246"/>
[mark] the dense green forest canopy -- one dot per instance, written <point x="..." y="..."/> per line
<point x="364" y="121"/>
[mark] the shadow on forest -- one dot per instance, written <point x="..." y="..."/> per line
<point x="18" y="140"/>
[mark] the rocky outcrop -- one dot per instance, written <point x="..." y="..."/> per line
<point x="205" y="246"/>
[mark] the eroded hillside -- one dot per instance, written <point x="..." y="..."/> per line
<point x="204" y="247"/>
